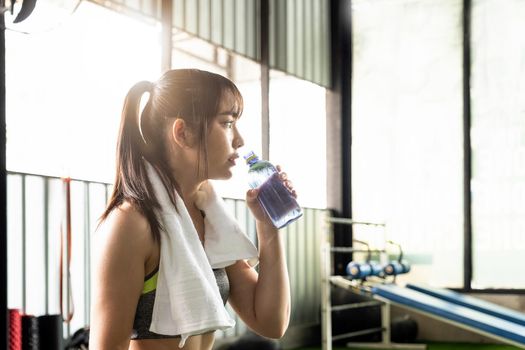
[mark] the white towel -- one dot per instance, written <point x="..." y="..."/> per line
<point x="223" y="231"/>
<point x="187" y="299"/>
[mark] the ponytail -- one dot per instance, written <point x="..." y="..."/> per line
<point x="131" y="180"/>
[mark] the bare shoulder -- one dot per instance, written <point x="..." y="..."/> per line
<point x="120" y="249"/>
<point x="125" y="230"/>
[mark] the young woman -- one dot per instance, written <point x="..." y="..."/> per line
<point x="188" y="132"/>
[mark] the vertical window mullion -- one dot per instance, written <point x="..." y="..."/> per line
<point x="265" y="78"/>
<point x="467" y="170"/>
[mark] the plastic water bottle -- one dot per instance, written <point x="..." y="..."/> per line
<point x="274" y="196"/>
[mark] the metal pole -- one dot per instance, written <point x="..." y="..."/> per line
<point x="4" y="320"/>
<point x="265" y="78"/>
<point x="467" y="170"/>
<point x="46" y="244"/>
<point x="87" y="250"/>
<point x="339" y="133"/>
<point x="385" y="322"/>
<point x="326" y="303"/>
<point x="24" y="234"/>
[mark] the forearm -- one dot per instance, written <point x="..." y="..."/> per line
<point x="272" y="293"/>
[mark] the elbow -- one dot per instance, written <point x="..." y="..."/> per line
<point x="280" y="326"/>
<point x="273" y="326"/>
<point x="276" y="331"/>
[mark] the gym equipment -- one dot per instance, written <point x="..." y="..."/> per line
<point x="398" y="266"/>
<point x="357" y="270"/>
<point x="50" y="331"/>
<point x="79" y="340"/>
<point x="472" y="303"/>
<point x="357" y="286"/>
<point x="464" y="312"/>
<point x="404" y="329"/>
<point x="362" y="270"/>
<point x="449" y="312"/>
<point x="30" y="338"/>
<point x="15" y="329"/>
<point x="395" y="268"/>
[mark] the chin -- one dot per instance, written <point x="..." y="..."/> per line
<point x="227" y="177"/>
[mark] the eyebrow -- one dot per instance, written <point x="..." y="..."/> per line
<point x="231" y="112"/>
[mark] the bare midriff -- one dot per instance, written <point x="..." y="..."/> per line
<point x="197" y="342"/>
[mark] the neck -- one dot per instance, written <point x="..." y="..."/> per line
<point x="183" y="164"/>
<point x="188" y="180"/>
<point x="189" y="188"/>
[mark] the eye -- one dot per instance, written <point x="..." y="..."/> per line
<point x="229" y="124"/>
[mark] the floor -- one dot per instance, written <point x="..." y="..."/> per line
<point x="442" y="346"/>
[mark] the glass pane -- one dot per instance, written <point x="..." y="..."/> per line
<point x="15" y="256"/>
<point x="298" y="135"/>
<point x="498" y="143"/>
<point x="75" y="76"/>
<point x="407" y="132"/>
<point x="54" y="231"/>
<point x="35" y="263"/>
<point x="78" y="255"/>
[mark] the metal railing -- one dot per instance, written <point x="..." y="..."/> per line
<point x="35" y="218"/>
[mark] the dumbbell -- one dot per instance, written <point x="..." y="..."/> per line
<point x="395" y="268"/>
<point x="357" y="270"/>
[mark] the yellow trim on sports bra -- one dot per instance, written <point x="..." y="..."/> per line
<point x="150" y="284"/>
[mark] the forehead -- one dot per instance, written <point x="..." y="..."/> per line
<point x="228" y="102"/>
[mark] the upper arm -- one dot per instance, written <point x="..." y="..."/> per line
<point x="119" y="254"/>
<point x="243" y="280"/>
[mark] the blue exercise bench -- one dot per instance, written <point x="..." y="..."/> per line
<point x="462" y="315"/>
<point x="471" y="302"/>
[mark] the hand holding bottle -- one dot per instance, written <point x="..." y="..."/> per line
<point x="255" y="206"/>
<point x="273" y="192"/>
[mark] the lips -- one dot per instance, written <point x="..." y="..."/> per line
<point x="233" y="158"/>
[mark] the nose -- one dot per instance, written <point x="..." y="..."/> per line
<point x="238" y="141"/>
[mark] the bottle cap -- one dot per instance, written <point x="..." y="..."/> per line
<point x="251" y="157"/>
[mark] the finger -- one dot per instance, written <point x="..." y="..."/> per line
<point x="278" y="167"/>
<point x="251" y="195"/>
<point x="283" y="176"/>
<point x="288" y="184"/>
<point x="294" y="194"/>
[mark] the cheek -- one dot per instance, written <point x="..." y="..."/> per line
<point x="220" y="140"/>
<point x="215" y="148"/>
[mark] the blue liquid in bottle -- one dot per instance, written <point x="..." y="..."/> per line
<point x="275" y="198"/>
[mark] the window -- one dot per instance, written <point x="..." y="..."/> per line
<point x="407" y="164"/>
<point x="76" y="77"/>
<point x="498" y="143"/>
<point x="298" y="135"/>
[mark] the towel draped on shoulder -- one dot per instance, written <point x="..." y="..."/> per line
<point x="187" y="299"/>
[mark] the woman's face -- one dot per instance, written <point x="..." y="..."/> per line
<point x="223" y="140"/>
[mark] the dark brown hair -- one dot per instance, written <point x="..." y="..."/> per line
<point x="191" y="94"/>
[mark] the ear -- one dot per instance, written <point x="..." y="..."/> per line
<point x="181" y="133"/>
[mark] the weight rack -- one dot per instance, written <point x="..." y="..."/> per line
<point x="328" y="279"/>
